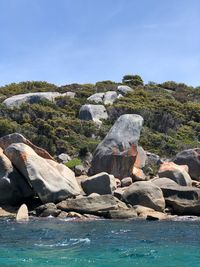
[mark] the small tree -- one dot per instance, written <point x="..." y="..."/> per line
<point x="132" y="80"/>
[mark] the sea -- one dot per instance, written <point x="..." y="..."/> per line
<point x="100" y="243"/>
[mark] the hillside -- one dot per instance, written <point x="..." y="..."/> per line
<point x="171" y="115"/>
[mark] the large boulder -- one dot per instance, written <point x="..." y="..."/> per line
<point x="93" y="112"/>
<point x="22" y="214"/>
<point x="106" y="98"/>
<point x="124" y="89"/>
<point x="117" y="153"/>
<point x="51" y="181"/>
<point x="163" y="182"/>
<point x="177" y="173"/>
<point x="184" y="200"/>
<point x="13" y="187"/>
<point x="31" y="98"/>
<point x="145" y="194"/>
<point x="9" y="139"/>
<point x="92" y="204"/>
<point x="191" y="158"/>
<point x="101" y="183"/>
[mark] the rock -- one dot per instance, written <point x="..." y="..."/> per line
<point x="163" y="182"/>
<point x="8" y="211"/>
<point x="191" y="158"/>
<point x="184" y="200"/>
<point x="93" y="112"/>
<point x="118" y="193"/>
<point x="196" y="183"/>
<point x="97" y="98"/>
<point x="152" y="159"/>
<point x="48" y="209"/>
<point x="106" y="98"/>
<point x="22" y="214"/>
<point x="79" y="170"/>
<point x="150" y="214"/>
<point x="118" y="182"/>
<point x="32" y="98"/>
<point x="126" y="181"/>
<point x="50" y="180"/>
<point x="177" y="173"/>
<point x="138" y="175"/>
<point x="101" y="183"/>
<point x="124" y="89"/>
<point x="63" y="158"/>
<point x="120" y="214"/>
<point x="72" y="214"/>
<point x="145" y="194"/>
<point x="91" y="205"/>
<point x="69" y="94"/>
<point x="62" y="215"/>
<point x="19" y="138"/>
<point x="109" y="97"/>
<point x="116" y="154"/>
<point x="140" y="158"/>
<point x="14" y="189"/>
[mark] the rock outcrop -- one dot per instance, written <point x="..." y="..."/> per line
<point x="117" y="153"/>
<point x="31" y="98"/>
<point x="51" y="181"/>
<point x="93" y="112"/>
<point x="145" y="194"/>
<point x="101" y="183"/>
<point x="22" y="214"/>
<point x="191" y="158"/>
<point x="124" y="89"/>
<point x="177" y="173"/>
<point x="106" y="98"/>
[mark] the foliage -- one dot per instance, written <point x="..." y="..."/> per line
<point x="72" y="163"/>
<point x="132" y="80"/>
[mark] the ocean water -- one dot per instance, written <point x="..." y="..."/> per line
<point x="103" y="243"/>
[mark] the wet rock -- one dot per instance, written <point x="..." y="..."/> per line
<point x="145" y="194"/>
<point x="48" y="209"/>
<point x="101" y="183"/>
<point x="120" y="214"/>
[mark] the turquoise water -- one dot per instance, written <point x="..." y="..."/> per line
<point x="105" y="243"/>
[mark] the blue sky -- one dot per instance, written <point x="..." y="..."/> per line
<point x="66" y="41"/>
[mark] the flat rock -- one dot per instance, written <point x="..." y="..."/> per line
<point x="120" y="214"/>
<point x="101" y="183"/>
<point x="145" y="194"/>
<point x="32" y="98"/>
<point x="148" y="213"/>
<point x="191" y="158"/>
<point x="116" y="154"/>
<point x="91" y="205"/>
<point x="51" y="181"/>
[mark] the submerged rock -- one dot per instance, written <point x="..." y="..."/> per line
<point x="116" y="154"/>
<point x="50" y="180"/>
<point x="145" y="194"/>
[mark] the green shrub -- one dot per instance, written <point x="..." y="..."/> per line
<point x="72" y="163"/>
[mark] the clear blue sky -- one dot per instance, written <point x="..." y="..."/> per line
<point x="66" y="41"/>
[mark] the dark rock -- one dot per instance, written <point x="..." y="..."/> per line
<point x="48" y="209"/>
<point x="191" y="158"/>
<point x="116" y="154"/>
<point x="120" y="214"/>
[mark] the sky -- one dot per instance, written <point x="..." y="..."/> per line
<point x="85" y="41"/>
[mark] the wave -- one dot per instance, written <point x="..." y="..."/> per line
<point x="65" y="243"/>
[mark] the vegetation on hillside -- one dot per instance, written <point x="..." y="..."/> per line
<point x="171" y="113"/>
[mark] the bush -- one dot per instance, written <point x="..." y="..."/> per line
<point x="72" y="163"/>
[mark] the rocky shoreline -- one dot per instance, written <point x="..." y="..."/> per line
<point x="123" y="181"/>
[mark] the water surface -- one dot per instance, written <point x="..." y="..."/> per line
<point x="105" y="243"/>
